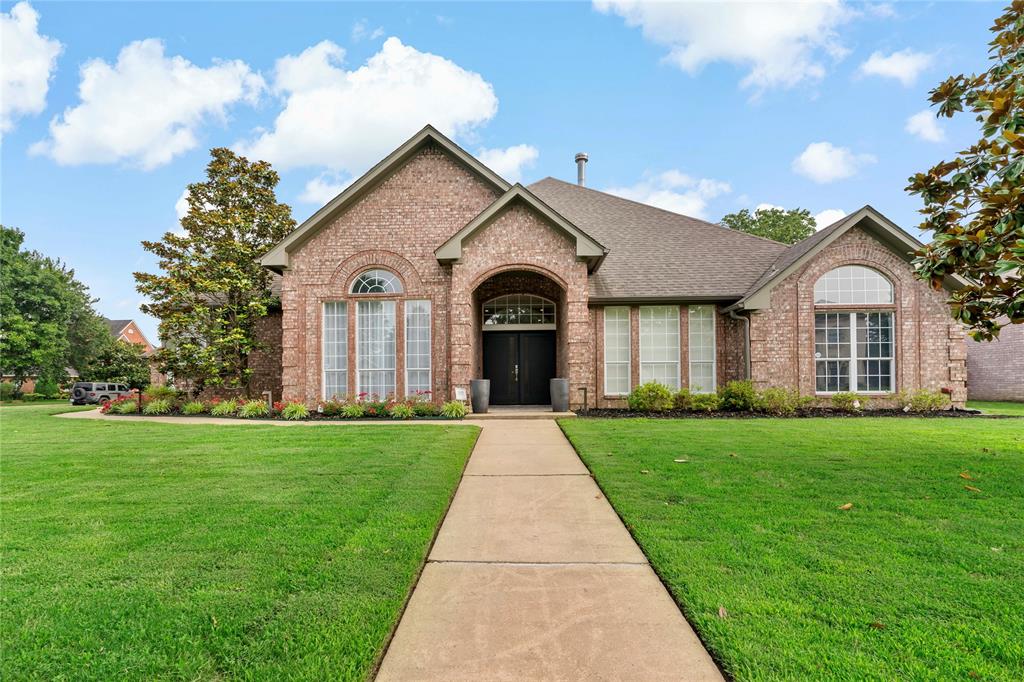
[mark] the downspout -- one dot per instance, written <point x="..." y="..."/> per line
<point x="746" y="341"/>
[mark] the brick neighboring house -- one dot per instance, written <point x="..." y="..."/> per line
<point x="431" y="270"/>
<point x="995" y="369"/>
<point x="129" y="332"/>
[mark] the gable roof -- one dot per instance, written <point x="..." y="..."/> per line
<point x="277" y="258"/>
<point x="116" y="326"/>
<point x="654" y="254"/>
<point x="587" y="248"/>
<point x="792" y="259"/>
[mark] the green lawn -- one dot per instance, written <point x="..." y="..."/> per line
<point x="921" y="579"/>
<point x="164" y="551"/>
<point x="993" y="407"/>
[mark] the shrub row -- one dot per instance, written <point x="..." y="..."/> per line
<point x="742" y="396"/>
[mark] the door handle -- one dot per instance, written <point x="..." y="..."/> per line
<point x="515" y="373"/>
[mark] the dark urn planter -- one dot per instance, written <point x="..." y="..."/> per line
<point x="559" y="395"/>
<point x="480" y="395"/>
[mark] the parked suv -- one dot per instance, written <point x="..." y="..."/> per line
<point x="95" y="393"/>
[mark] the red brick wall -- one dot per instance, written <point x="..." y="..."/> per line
<point x="396" y="226"/>
<point x="995" y="369"/>
<point x="265" y="364"/>
<point x="929" y="346"/>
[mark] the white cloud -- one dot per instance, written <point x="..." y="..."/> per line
<point x="768" y="207"/>
<point x="674" y="191"/>
<point x="781" y="43"/>
<point x="147" y="108"/>
<point x="29" y="61"/>
<point x="324" y="187"/>
<point x="924" y="125"/>
<point x="361" y="31"/>
<point x="510" y="162"/>
<point x="347" y="120"/>
<point x="828" y="216"/>
<point x="181" y="205"/>
<point x="881" y="10"/>
<point x="905" y="65"/>
<point x="823" y="162"/>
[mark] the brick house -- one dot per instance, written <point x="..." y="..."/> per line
<point x="431" y="270"/>
<point x="995" y="369"/>
<point x="129" y="332"/>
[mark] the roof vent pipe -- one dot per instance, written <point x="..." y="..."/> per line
<point x="581" y="169"/>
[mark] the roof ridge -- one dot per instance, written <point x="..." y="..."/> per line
<point x="662" y="210"/>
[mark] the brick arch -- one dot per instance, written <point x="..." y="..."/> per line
<point x="513" y="267"/>
<point x="354" y="265"/>
<point x="815" y="270"/>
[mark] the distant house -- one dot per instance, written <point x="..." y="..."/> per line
<point x="995" y="369"/>
<point x="129" y="332"/>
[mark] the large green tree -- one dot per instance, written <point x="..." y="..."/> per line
<point x="212" y="291"/>
<point x="786" y="226"/>
<point x="47" y="320"/>
<point x="121" y="362"/>
<point x="974" y="204"/>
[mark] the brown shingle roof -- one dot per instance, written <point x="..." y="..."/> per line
<point x="116" y="326"/>
<point x="654" y="253"/>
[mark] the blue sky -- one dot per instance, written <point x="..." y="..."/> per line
<point x="109" y="108"/>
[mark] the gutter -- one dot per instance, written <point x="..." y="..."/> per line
<point x="746" y="340"/>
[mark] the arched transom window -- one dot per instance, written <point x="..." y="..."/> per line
<point x="852" y="285"/>
<point x="519" y="310"/>
<point x="376" y="282"/>
<point x="854" y="349"/>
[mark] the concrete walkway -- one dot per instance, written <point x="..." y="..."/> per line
<point x="534" y="577"/>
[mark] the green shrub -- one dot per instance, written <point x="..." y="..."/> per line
<point x="402" y="411"/>
<point x="454" y="409"/>
<point x="353" y="410"/>
<point x="193" y="407"/>
<point x="332" y="408"/>
<point x="224" y="408"/>
<point x="738" y="396"/>
<point x="683" y="399"/>
<point x="129" y="406"/>
<point x="422" y="408"/>
<point x="47" y="388"/>
<point x="650" y="397"/>
<point x="8" y="391"/>
<point x="705" y="402"/>
<point x="158" y="406"/>
<point x="375" y="408"/>
<point x="160" y="392"/>
<point x="295" y="411"/>
<point x="924" y="401"/>
<point x="780" y="402"/>
<point x="848" y="402"/>
<point x="250" y="409"/>
<point x="32" y="397"/>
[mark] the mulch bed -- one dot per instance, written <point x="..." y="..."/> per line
<point x="608" y="413"/>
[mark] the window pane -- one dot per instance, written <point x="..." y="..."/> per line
<point x="376" y="282"/>
<point x="874" y="352"/>
<point x="417" y="347"/>
<point x="659" y="345"/>
<point x="375" y="345"/>
<point x="616" y="351"/>
<point x="852" y="284"/>
<point x="701" y="333"/>
<point x="518" y="309"/>
<point x="335" y="349"/>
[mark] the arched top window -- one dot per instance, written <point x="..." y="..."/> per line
<point x="519" y="309"/>
<point x="376" y="282"/>
<point x="853" y="285"/>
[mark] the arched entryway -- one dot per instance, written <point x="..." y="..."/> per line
<point x="519" y="322"/>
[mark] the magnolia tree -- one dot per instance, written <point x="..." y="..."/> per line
<point x="974" y="204"/>
<point x="212" y="290"/>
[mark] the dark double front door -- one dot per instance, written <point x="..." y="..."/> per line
<point x="520" y="366"/>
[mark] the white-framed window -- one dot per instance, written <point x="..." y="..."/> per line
<point x="701" y="332"/>
<point x="375" y="348"/>
<point x="522" y="311"/>
<point x="659" y="344"/>
<point x="853" y="351"/>
<point x="335" y="349"/>
<point x="852" y="285"/>
<point x="417" y="346"/>
<point x="376" y="282"/>
<point x="616" y="350"/>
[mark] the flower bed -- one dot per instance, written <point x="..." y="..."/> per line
<point x="164" y="401"/>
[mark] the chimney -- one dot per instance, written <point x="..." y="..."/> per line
<point x="581" y="169"/>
